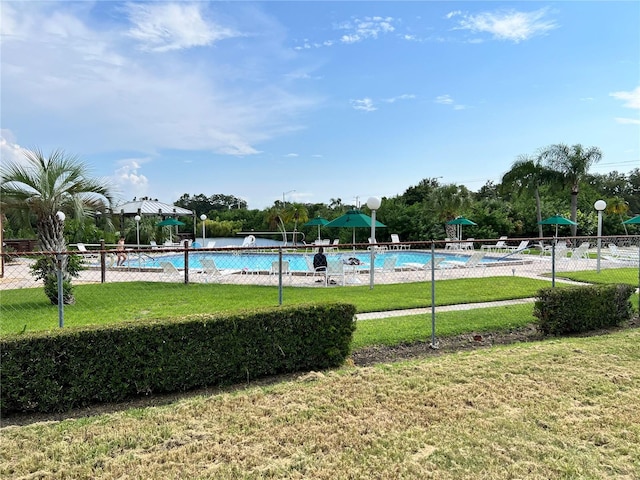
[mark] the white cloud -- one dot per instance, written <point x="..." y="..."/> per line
<point x="400" y="97"/>
<point x="631" y="99"/>
<point x="365" y="104"/>
<point x="291" y="155"/>
<point x="107" y="93"/>
<point x="10" y="152"/>
<point x="172" y="26"/>
<point x="444" y="99"/>
<point x="510" y="25"/>
<point x="128" y="180"/>
<point x="628" y="121"/>
<point x="366" y="28"/>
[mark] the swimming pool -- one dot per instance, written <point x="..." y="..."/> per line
<point x="297" y="263"/>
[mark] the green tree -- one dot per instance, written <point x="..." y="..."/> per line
<point x="527" y="174"/>
<point x="573" y="162"/>
<point x="45" y="185"/>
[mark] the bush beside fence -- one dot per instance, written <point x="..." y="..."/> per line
<point x="583" y="308"/>
<point x="71" y="368"/>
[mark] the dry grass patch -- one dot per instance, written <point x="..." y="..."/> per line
<point x="556" y="409"/>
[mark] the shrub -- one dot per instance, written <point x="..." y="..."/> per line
<point x="45" y="269"/>
<point x="71" y="368"/>
<point x="582" y="308"/>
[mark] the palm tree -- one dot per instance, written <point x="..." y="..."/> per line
<point x="618" y="206"/>
<point x="526" y="174"/>
<point x="573" y="162"/>
<point x="296" y="212"/>
<point x="448" y="202"/>
<point x="42" y="187"/>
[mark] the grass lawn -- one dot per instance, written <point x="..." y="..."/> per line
<point x="29" y="309"/>
<point x="565" y="408"/>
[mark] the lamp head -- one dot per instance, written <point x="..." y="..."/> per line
<point x="61" y="216"/>
<point x="600" y="205"/>
<point x="374" y="203"/>
<point x="137" y="218"/>
<point x="203" y="217"/>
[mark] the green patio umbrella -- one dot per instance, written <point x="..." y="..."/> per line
<point x="459" y="222"/>
<point x="319" y="221"/>
<point x="557" y="220"/>
<point x="634" y="220"/>
<point x="170" y="222"/>
<point x="354" y="219"/>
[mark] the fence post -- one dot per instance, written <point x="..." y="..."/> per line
<point x="280" y="276"/>
<point x="434" y="344"/>
<point x="186" y="262"/>
<point x="103" y="262"/>
<point x="60" y="291"/>
<point x="553" y="263"/>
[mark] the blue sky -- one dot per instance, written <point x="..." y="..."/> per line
<point x="316" y="100"/>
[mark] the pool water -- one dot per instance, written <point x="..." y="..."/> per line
<point x="297" y="262"/>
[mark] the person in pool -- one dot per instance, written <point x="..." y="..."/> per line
<point x="122" y="255"/>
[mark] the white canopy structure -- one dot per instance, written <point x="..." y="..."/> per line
<point x="152" y="207"/>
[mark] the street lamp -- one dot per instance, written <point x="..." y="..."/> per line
<point x="600" y="205"/>
<point x="286" y="193"/>
<point x="374" y="204"/>
<point x="203" y="217"/>
<point x="137" y="219"/>
<point x="59" y="257"/>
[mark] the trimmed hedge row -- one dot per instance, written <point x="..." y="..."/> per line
<point x="582" y="308"/>
<point x="70" y="368"/>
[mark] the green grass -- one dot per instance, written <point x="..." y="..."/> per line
<point x="412" y="328"/>
<point x="562" y="409"/>
<point x="28" y="309"/>
<point x="610" y="275"/>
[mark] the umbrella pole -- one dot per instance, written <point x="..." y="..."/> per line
<point x="318" y="232"/>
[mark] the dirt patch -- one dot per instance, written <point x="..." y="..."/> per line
<point x="383" y="354"/>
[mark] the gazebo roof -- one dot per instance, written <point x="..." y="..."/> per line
<point x="151" y="207"/>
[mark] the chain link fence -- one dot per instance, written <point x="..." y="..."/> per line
<point x="348" y="264"/>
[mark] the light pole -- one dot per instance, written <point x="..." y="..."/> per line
<point x="60" y="216"/>
<point x="286" y="193"/>
<point x="203" y="217"/>
<point x="137" y="219"/>
<point x="374" y="204"/>
<point x="600" y="205"/>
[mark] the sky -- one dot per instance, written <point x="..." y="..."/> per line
<point x="316" y="101"/>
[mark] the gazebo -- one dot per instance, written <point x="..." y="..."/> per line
<point x="152" y="207"/>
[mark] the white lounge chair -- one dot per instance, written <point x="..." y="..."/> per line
<point x="210" y="270"/>
<point x="474" y="261"/>
<point x="522" y="247"/>
<point x="388" y="264"/>
<point x="335" y="270"/>
<point x="211" y="244"/>
<point x="275" y="268"/>
<point x="376" y="248"/>
<point x="170" y="271"/>
<point x="626" y="256"/>
<point x="425" y="267"/>
<point x="499" y="246"/>
<point x="82" y="248"/>
<point x="333" y="246"/>
<point x="396" y="244"/>
<point x="313" y="270"/>
<point x="580" y="252"/>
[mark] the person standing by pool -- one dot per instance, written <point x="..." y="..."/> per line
<point x="320" y="262"/>
<point x="122" y="255"/>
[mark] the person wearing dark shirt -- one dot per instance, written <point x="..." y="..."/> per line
<point x="320" y="261"/>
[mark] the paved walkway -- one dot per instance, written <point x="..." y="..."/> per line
<point x="444" y="308"/>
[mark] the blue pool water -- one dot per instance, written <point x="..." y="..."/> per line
<point x="297" y="262"/>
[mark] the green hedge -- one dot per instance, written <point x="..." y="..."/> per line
<point x="71" y="368"/>
<point x="582" y="308"/>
